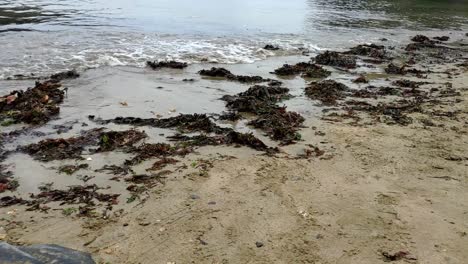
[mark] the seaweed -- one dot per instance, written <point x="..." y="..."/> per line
<point x="166" y="64"/>
<point x="328" y="91"/>
<point x="35" y="106"/>
<point x="372" y="50"/>
<point x="72" y="148"/>
<point x="307" y="69"/>
<point x="223" y="73"/>
<point x="271" y="47"/>
<point x="185" y="123"/>
<point x="71" y="169"/>
<point x="73" y="74"/>
<point x="333" y="58"/>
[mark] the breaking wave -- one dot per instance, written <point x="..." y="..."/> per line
<point x="44" y="53"/>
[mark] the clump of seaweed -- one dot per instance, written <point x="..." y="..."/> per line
<point x="333" y="58"/>
<point x="307" y="69"/>
<point x="166" y="64"/>
<point x="223" y="73"/>
<point x="35" y="106"/>
<point x="328" y="91"/>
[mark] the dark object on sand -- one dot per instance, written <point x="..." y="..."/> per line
<point x="360" y="79"/>
<point x="408" y="83"/>
<point x="394" y="69"/>
<point x="42" y="254"/>
<point x="72" y="148"/>
<point x="442" y="38"/>
<point x="278" y="124"/>
<point x="223" y="73"/>
<point x="216" y="72"/>
<point x="388" y="257"/>
<point x="271" y="47"/>
<point x="166" y="64"/>
<point x="328" y="92"/>
<point x="65" y="75"/>
<point x="307" y="69"/>
<point x="372" y="50"/>
<point x="333" y="58"/>
<point x="420" y="39"/>
<point x="34" y="106"/>
<point x="421" y="42"/>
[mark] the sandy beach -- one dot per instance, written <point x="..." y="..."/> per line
<point x="359" y="185"/>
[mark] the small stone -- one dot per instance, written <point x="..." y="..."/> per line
<point x="194" y="197"/>
<point x="212" y="203"/>
<point x="259" y="244"/>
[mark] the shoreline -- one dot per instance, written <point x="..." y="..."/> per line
<point x="360" y="185"/>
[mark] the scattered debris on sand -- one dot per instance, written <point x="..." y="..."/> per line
<point x="328" y="91"/>
<point x="111" y="140"/>
<point x="72" y="148"/>
<point x="408" y="83"/>
<point x="389" y="257"/>
<point x="278" y="123"/>
<point x="223" y="73"/>
<point x="35" y="106"/>
<point x="78" y="194"/>
<point x="372" y="50"/>
<point x="394" y="69"/>
<point x="166" y="64"/>
<point x="86" y="195"/>
<point x="157" y="150"/>
<point x="336" y="59"/>
<point x="307" y="69"/>
<point x="185" y="123"/>
<point x="71" y="169"/>
<point x="116" y="170"/>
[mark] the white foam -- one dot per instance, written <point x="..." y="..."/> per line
<point x="92" y="50"/>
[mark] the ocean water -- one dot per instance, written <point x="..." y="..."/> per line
<point x="41" y="37"/>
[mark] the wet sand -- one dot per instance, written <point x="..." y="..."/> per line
<point x="378" y="189"/>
